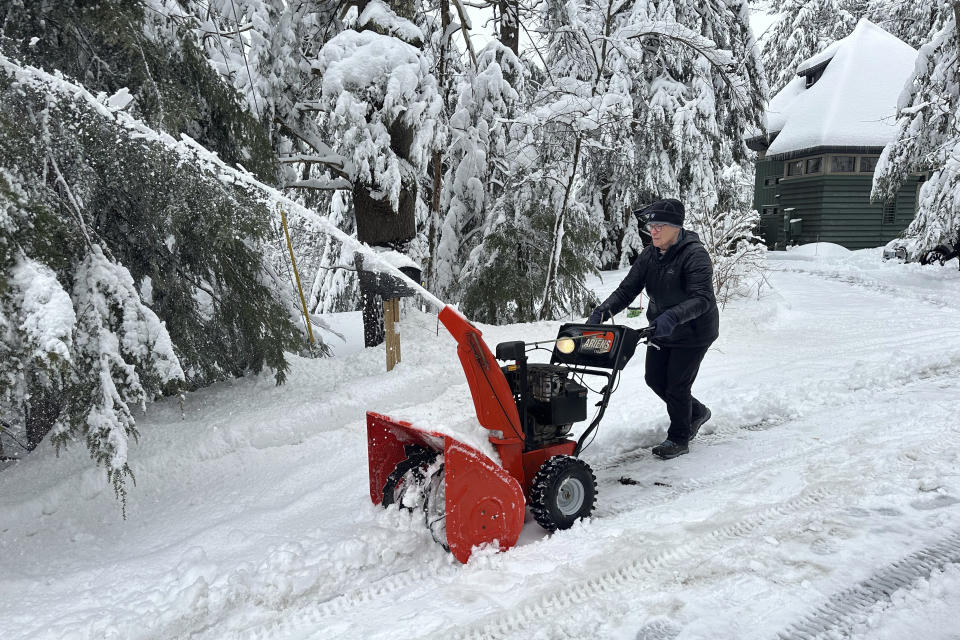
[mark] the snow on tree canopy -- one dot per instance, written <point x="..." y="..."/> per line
<point x="369" y="82"/>
<point x="379" y="14"/>
<point x="362" y="60"/>
<point x="47" y="311"/>
<point x="854" y="101"/>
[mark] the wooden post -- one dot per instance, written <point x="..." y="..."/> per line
<point x="296" y="274"/>
<point x="391" y="325"/>
<point x="381" y="293"/>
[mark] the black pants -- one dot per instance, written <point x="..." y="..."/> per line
<point x="670" y="372"/>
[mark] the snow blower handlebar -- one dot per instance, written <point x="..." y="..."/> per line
<point x="582" y="350"/>
<point x="598" y="351"/>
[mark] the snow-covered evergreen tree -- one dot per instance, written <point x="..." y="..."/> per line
<point x="914" y="22"/>
<point x="659" y="75"/>
<point x="145" y="48"/>
<point x="927" y="140"/>
<point x="370" y="84"/>
<point x="476" y="157"/>
<point x="715" y="174"/>
<point x="804" y="29"/>
<point x="160" y="261"/>
<point x="78" y="362"/>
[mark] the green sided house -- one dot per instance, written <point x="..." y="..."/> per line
<point x="825" y="132"/>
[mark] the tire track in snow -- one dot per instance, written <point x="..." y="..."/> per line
<point x="855" y="280"/>
<point x="347" y="603"/>
<point x="344" y="604"/>
<point x="635" y="570"/>
<point x="842" y="611"/>
<point x="825" y="397"/>
<point x="793" y="452"/>
<point x="351" y="602"/>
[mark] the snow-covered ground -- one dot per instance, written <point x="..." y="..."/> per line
<point x="823" y="497"/>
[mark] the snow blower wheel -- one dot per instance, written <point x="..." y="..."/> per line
<point x="939" y="256"/>
<point x="407" y="479"/>
<point x="564" y="491"/>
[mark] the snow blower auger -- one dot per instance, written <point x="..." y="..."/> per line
<point x="529" y="410"/>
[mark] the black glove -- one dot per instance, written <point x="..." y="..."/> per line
<point x="664" y="325"/>
<point x="598" y="315"/>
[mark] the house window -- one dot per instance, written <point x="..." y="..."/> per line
<point x="795" y="168"/>
<point x="769" y="211"/>
<point x="843" y="164"/>
<point x="814" y="165"/>
<point x="868" y="163"/>
<point x="813" y="77"/>
<point x="889" y="211"/>
<point x="769" y="182"/>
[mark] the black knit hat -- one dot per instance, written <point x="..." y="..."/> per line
<point x="667" y="211"/>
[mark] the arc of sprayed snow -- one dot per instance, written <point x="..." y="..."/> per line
<point x="190" y="150"/>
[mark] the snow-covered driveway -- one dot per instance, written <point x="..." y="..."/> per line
<point x="823" y="497"/>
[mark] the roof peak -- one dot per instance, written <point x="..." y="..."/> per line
<point x="853" y="101"/>
<point x="822" y="59"/>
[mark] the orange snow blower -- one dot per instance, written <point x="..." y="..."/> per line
<point x="528" y="409"/>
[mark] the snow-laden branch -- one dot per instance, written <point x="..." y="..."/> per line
<point x="467" y="25"/>
<point x="191" y="151"/>
<point x="320" y="184"/>
<point x="216" y="33"/>
<point x="679" y="33"/>
<point x="331" y="159"/>
<point x="720" y="59"/>
<point x="338" y="163"/>
<point x="380" y="17"/>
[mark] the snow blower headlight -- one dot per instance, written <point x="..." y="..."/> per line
<point x="566" y="345"/>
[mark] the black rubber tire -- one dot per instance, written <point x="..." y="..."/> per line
<point x="418" y="458"/>
<point x="938" y="255"/>
<point x="564" y="491"/>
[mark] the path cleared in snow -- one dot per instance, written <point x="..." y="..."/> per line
<point x="815" y="501"/>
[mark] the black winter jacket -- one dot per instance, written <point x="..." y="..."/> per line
<point x="680" y="280"/>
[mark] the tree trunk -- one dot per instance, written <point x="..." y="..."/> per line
<point x="378" y="222"/>
<point x="430" y="269"/>
<point x="509" y="25"/>
<point x="557" y="248"/>
<point x="373" y="331"/>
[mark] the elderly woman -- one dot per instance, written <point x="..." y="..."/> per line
<point x="678" y="276"/>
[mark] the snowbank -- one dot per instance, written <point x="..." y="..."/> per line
<point x="820" y="250"/>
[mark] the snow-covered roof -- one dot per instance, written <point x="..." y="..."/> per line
<point x="824" y="56"/>
<point x="854" y="102"/>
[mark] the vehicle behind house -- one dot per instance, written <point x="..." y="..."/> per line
<point x="897" y="250"/>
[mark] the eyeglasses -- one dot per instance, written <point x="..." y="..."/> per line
<point x="656" y="227"/>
